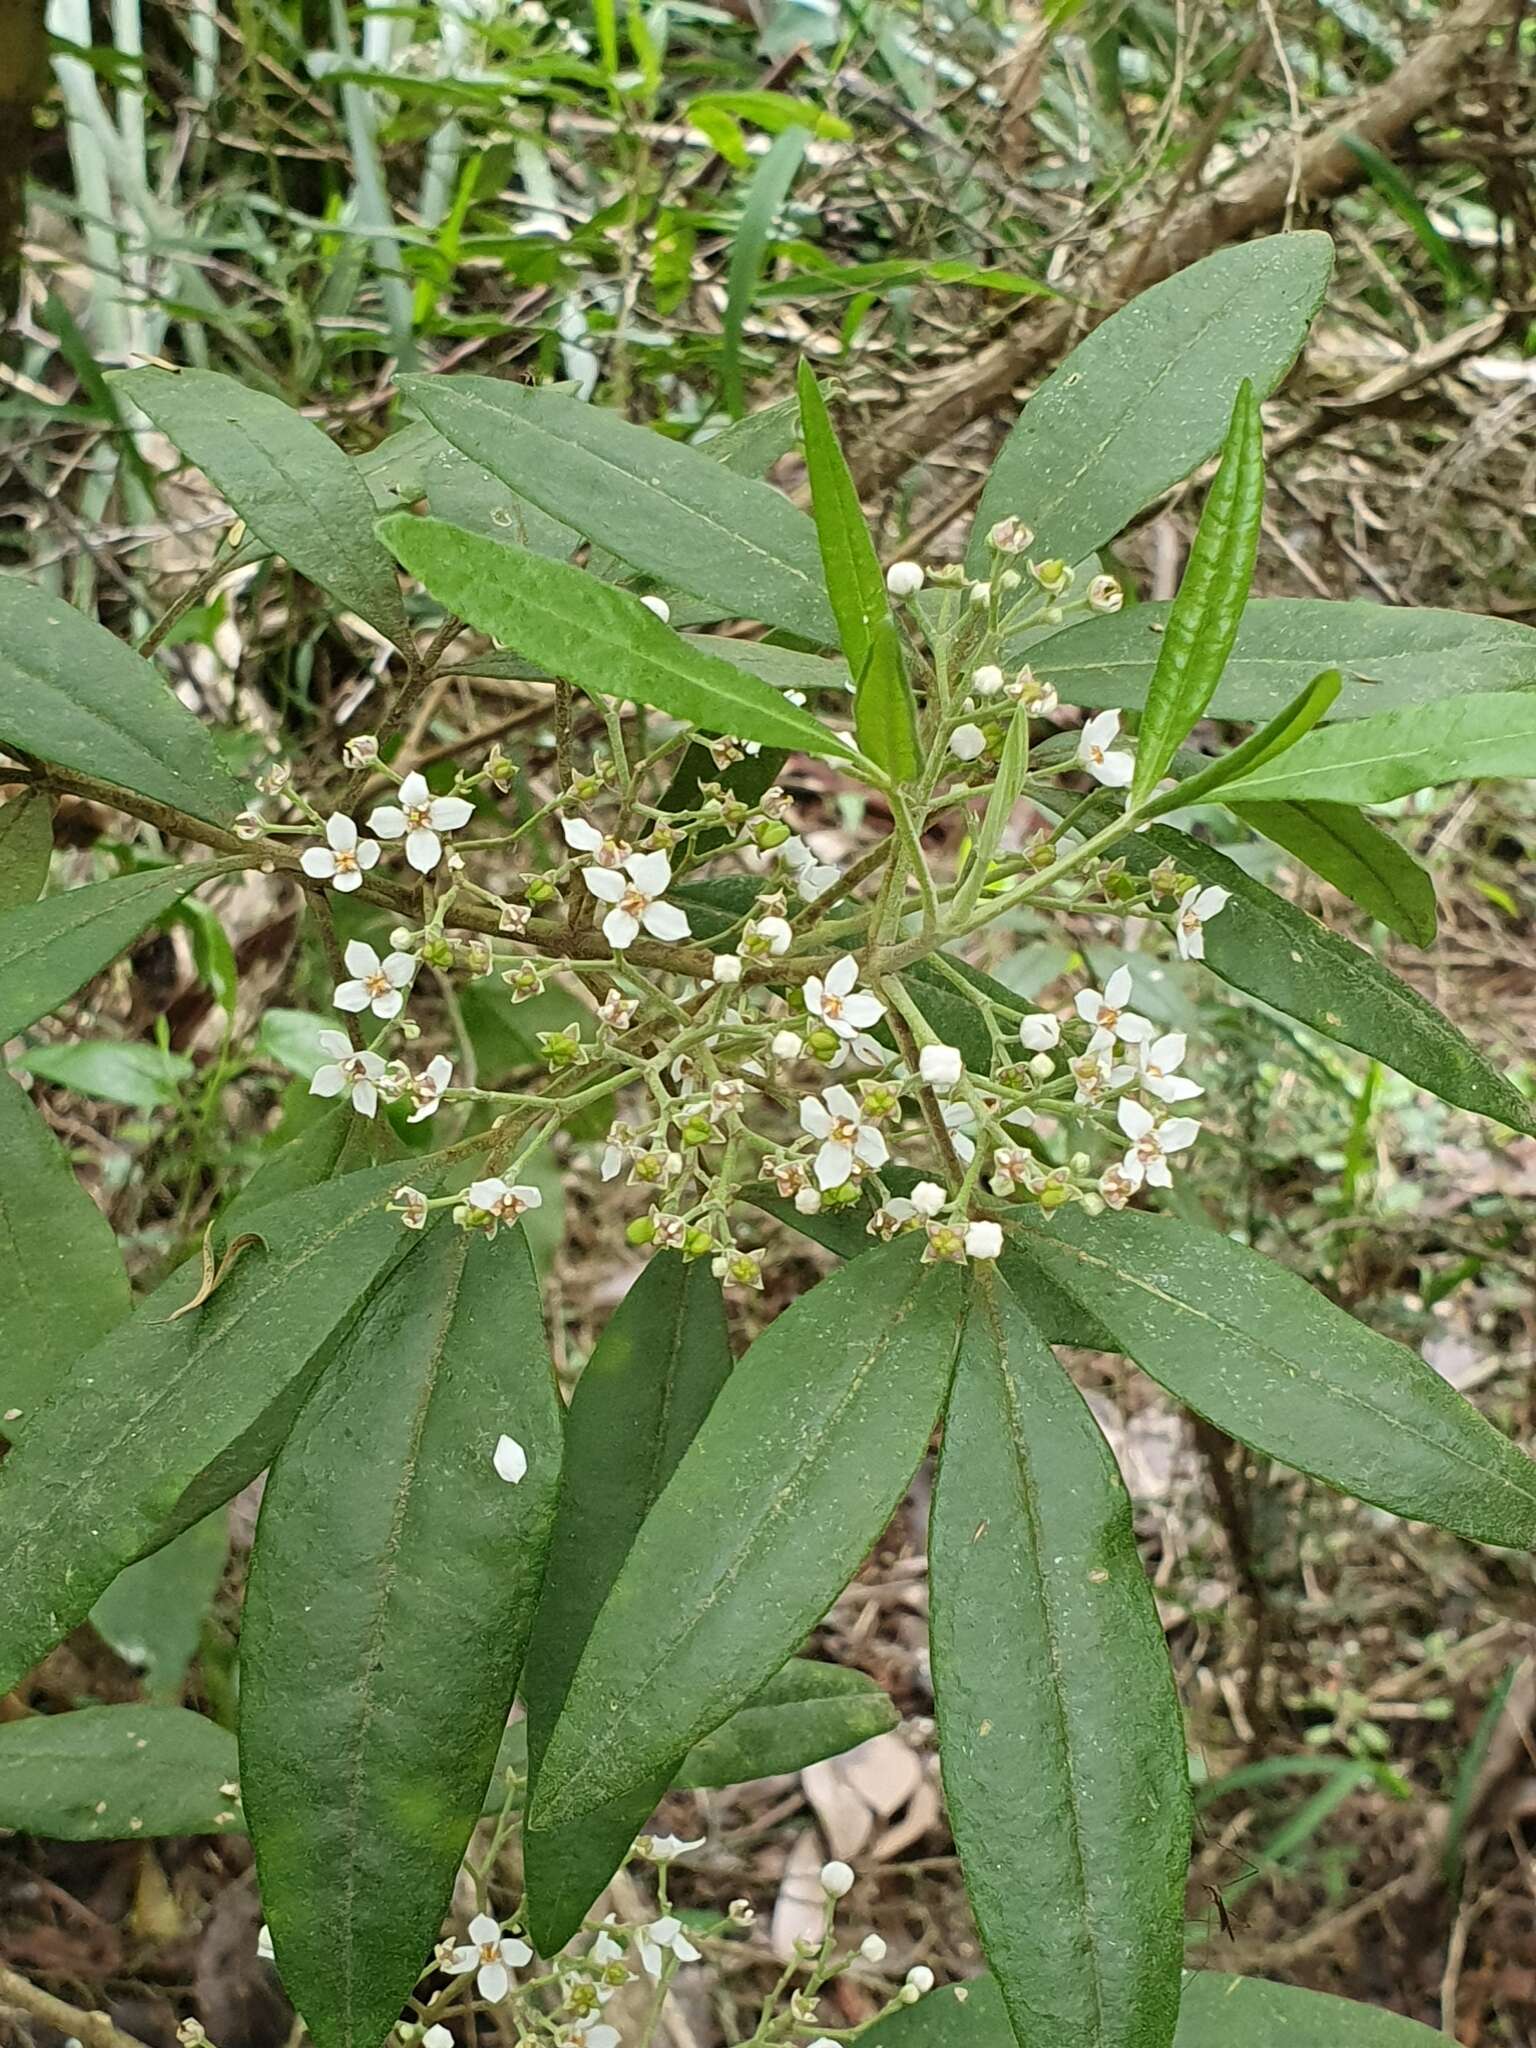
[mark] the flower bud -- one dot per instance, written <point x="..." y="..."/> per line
<point x="940" y="1066"/>
<point x="836" y="1880"/>
<point x="741" y="1912"/>
<point x="967" y="742"/>
<point x="823" y="1043"/>
<point x="786" y="1045"/>
<point x="904" y="579"/>
<point x="1105" y="594"/>
<point x="361" y="751"/>
<point x="724" y="969"/>
<point x="770" y="833"/>
<point x="659" y="606"/>
<point x="540" y="889"/>
<point x="1010" y="537"/>
<point x="980" y="594"/>
<point x="928" y="1198"/>
<point x="983" y="1240"/>
<point x="1009" y="582"/>
<point x="640" y="1231"/>
<point x="920" y="1977"/>
<point x="872" y="1949"/>
<point x="987" y="680"/>
<point x="808" y="1201"/>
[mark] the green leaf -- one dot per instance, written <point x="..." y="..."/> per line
<point x="132" y="1423"/>
<point x="885" y="717"/>
<point x="392" y="1588"/>
<point x="1206" y="777"/>
<point x="602" y="639"/>
<point x="65" y="1284"/>
<point x="1265" y="1357"/>
<point x="72" y="694"/>
<point x="1059" y="1728"/>
<point x="152" y="1614"/>
<point x="808" y="1712"/>
<point x="1390" y="658"/>
<point x="26" y="847"/>
<point x="796" y="1470"/>
<point x="773" y="111"/>
<point x="661" y="1361"/>
<point x="287" y="479"/>
<point x="786" y="668"/>
<point x="1203" y="619"/>
<point x="666" y="508"/>
<point x="49" y="950"/>
<point x="1147" y="396"/>
<point x="1375" y="760"/>
<point x="1363" y="862"/>
<point x="106" y="1774"/>
<point x="139" y="1076"/>
<point x="766" y="193"/>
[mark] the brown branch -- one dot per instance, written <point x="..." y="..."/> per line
<point x="94" y="2029"/>
<point x="1244" y="205"/>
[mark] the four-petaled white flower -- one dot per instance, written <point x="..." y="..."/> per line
<point x="813" y="877"/>
<point x="637" y="902"/>
<point x="839" y="1004"/>
<point x="1160" y="1062"/>
<point x="498" y="1202"/>
<point x="344" y="859"/>
<point x="1154" y="1140"/>
<point x="1039" y="1033"/>
<point x="838" y="1120"/>
<point x="585" y="838"/>
<point x="1105" y="1010"/>
<point x="426" y="1088"/>
<point x="379" y="985"/>
<point x="419" y="818"/>
<point x="359" y="1071"/>
<point x="1094" y="753"/>
<point x="1197" y="907"/>
<point x="492" y="1956"/>
<point x="664" y="1934"/>
<point x="510" y="1460"/>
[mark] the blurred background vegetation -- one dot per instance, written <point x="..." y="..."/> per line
<point x="664" y="207"/>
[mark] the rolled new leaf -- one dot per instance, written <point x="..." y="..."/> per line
<point x="392" y="1589"/>
<point x="1059" y="1729"/>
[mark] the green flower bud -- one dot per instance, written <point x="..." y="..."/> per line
<point x="641" y="1231"/>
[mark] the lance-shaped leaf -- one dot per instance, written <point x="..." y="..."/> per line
<point x="1362" y="861"/>
<point x="65" y="1282"/>
<point x="1059" y="1729"/>
<point x="72" y="694"/>
<point x="49" y="950"/>
<point x="1203" y="619"/>
<point x="392" y="1589"/>
<point x="659" y="1364"/>
<point x="1390" y="658"/>
<point x="287" y="479"/>
<point x="107" y="1774"/>
<point x="796" y="1470"/>
<point x="1200" y="778"/>
<point x="1374" y="760"/>
<point x="885" y="717"/>
<point x="1146" y="397"/>
<point x="1265" y="1357"/>
<point x="26" y="847"/>
<point x="598" y="637"/>
<point x="134" y="1421"/>
<point x="662" y="506"/>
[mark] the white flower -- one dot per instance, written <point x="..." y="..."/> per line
<point x="437" y="2036"/>
<point x="846" y="1139"/>
<point x="426" y="1088"/>
<point x="1197" y="907"/>
<point x="1153" y="1142"/>
<point x="659" y="606"/>
<point x="264" y="1943"/>
<point x="839" y="1005"/>
<point x="667" y="1848"/>
<point x="1159" y="1064"/>
<point x="418" y="819"/>
<point x="491" y="1955"/>
<point x="724" y="969"/>
<point x="967" y="742"/>
<point x="663" y="1934"/>
<point x="590" y="2032"/>
<point x="812" y="876"/>
<point x="583" y="837"/>
<point x="940" y="1066"/>
<point x="498" y="1202"/>
<point x="987" y="680"/>
<point x="379" y="985"/>
<point x="836" y="1879"/>
<point x="605" y="1949"/>
<point x="1093" y="752"/>
<point x="956" y="1116"/>
<point x="1105" y="1010"/>
<point x="510" y="1460"/>
<point x="359" y="1071"/>
<point x="344" y="858"/>
<point x="928" y="1198"/>
<point x="904" y="579"/>
<point x="637" y="903"/>
<point x="1039" y="1033"/>
<point x="983" y="1240"/>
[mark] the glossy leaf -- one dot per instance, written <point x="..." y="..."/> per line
<point x="65" y="1284"/>
<point x="73" y="694"/>
<point x="285" y="477"/>
<point x="660" y="1363"/>
<point x="808" y="1712"/>
<point x="26" y="847"/>
<point x="1203" y="618"/>
<point x="107" y="1774"/>
<point x="132" y="1423"/>
<point x="1146" y="397"/>
<point x="663" y="506"/>
<point x="1362" y="861"/>
<point x="50" y="950"/>
<point x="1390" y="658"/>
<point x="391" y="1592"/>
<point x="602" y="639"/>
<point x="153" y="1613"/>
<point x="885" y="716"/>
<point x="796" y="1470"/>
<point x="1374" y="760"/>
<point x="1059" y="1728"/>
<point x="1267" y="1358"/>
